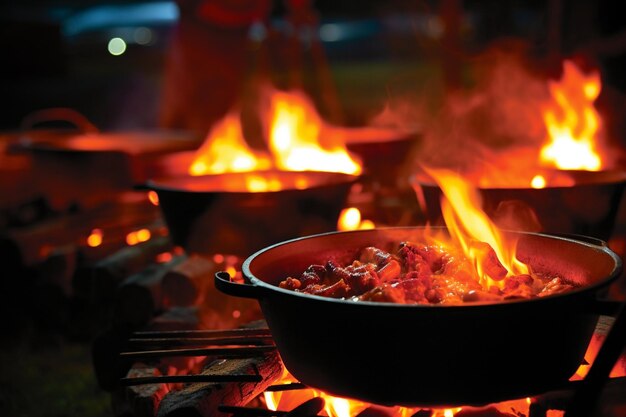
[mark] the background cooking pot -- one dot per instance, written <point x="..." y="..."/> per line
<point x="588" y="208"/>
<point x="70" y="157"/>
<point x="418" y="355"/>
<point x="216" y="214"/>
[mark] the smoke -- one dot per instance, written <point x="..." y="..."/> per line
<point x="476" y="129"/>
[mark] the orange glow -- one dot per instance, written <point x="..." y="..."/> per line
<point x="153" y="197"/>
<point x="164" y="257"/>
<point x="619" y="370"/>
<point x="473" y="231"/>
<point x="342" y="407"/>
<point x="95" y="238"/>
<point x="232" y="271"/>
<point x="538" y="181"/>
<point x="257" y="184"/>
<point x="295" y="134"/>
<point x="350" y="219"/>
<point x="226" y="150"/>
<point x="297" y="140"/>
<point x="138" y="236"/>
<point x="572" y="122"/>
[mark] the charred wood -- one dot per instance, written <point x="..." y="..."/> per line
<point x="99" y="282"/>
<point x="202" y="399"/>
<point x="141" y="296"/>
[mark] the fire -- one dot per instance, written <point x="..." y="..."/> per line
<point x="95" y="238"/>
<point x="295" y="131"/>
<point x="153" y="197"/>
<point x="226" y="150"/>
<point x="474" y="232"/>
<point x="298" y="140"/>
<point x="350" y="219"/>
<point x="138" y="236"/>
<point x="572" y="121"/>
<point x="343" y="407"/>
<point x="538" y="182"/>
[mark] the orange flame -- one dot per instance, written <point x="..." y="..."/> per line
<point x="95" y="238"/>
<point x="294" y="134"/>
<point x="572" y="121"/>
<point x="153" y="197"/>
<point x="295" y="131"/>
<point x="350" y="219"/>
<point x="342" y="407"/>
<point x="138" y="236"/>
<point x="471" y="229"/>
<point x="226" y="150"/>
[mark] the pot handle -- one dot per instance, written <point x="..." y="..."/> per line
<point x="59" y="114"/>
<point x="585" y="398"/>
<point x="225" y="285"/>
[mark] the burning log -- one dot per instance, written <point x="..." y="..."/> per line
<point x="140" y="400"/>
<point x="204" y="398"/>
<point x="223" y="378"/>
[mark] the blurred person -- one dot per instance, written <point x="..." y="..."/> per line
<point x="208" y="61"/>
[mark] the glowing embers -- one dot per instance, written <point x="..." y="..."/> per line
<point x="344" y="407"/>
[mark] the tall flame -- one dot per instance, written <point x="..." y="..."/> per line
<point x="295" y="133"/>
<point x="572" y="121"/>
<point x="298" y="140"/>
<point x="226" y="150"/>
<point x="471" y="229"/>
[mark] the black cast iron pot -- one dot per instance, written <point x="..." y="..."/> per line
<point x="588" y="207"/>
<point x="425" y="355"/>
<point x="216" y="214"/>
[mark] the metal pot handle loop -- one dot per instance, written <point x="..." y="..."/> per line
<point x="59" y="114"/>
<point x="225" y="285"/>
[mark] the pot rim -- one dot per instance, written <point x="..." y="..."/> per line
<point x="270" y="289"/>
<point x="168" y="184"/>
<point x="587" y="179"/>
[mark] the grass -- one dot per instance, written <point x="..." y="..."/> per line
<point x="51" y="382"/>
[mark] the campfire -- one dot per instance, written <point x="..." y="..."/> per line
<point x="226" y="163"/>
<point x="468" y="225"/>
<point x="183" y="261"/>
<point x="555" y="156"/>
<point x="521" y="130"/>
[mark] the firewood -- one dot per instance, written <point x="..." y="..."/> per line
<point x="178" y="318"/>
<point x="101" y="281"/>
<point x="204" y="398"/>
<point x="142" y="400"/>
<point x="141" y="295"/>
<point x="109" y="366"/>
<point x="59" y="267"/>
<point x="186" y="283"/>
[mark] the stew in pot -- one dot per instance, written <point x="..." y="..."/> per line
<point x="413" y="273"/>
